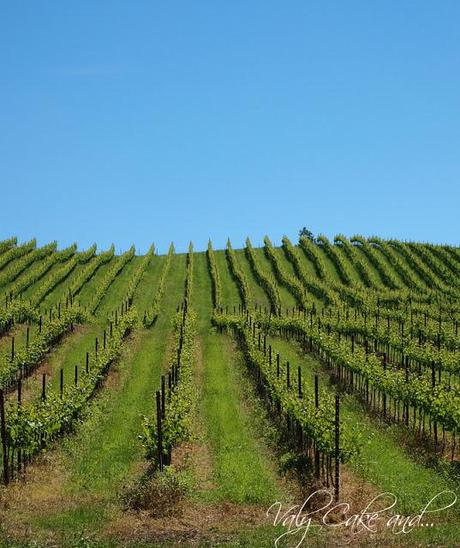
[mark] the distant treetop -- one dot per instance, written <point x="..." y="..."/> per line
<point x="306" y="233"/>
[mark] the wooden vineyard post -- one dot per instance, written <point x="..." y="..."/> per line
<point x="406" y="405"/>
<point x="163" y="396"/>
<point x="6" y="478"/>
<point x="317" y="470"/>
<point x="61" y="382"/>
<point x="27" y="337"/>
<point x="435" y="424"/>
<point x="384" y="396"/>
<point x="159" y="432"/>
<point x="299" y="381"/>
<point x="19" y="405"/>
<point x="44" y="387"/>
<point x="316" y="392"/>
<point x="337" y="448"/>
<point x="87" y="362"/>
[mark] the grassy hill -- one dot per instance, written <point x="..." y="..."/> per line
<point x="164" y="400"/>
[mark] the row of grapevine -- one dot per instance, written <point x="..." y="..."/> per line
<point x="215" y="277"/>
<point x="238" y="275"/>
<point x="265" y="279"/>
<point x="189" y="276"/>
<point x="171" y="424"/>
<point x="312" y="253"/>
<point x="17" y="311"/>
<point x="139" y="273"/>
<point x="151" y="314"/>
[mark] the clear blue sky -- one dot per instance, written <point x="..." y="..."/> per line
<point x="132" y="122"/>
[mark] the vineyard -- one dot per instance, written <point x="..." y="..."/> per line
<point x="169" y="399"/>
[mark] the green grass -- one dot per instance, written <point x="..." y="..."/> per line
<point x="230" y="293"/>
<point x="258" y="294"/>
<point x="87" y="291"/>
<point x="147" y="288"/>
<point x="241" y="471"/>
<point x="119" y="286"/>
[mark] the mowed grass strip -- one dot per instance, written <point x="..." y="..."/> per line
<point x="258" y="294"/>
<point x="147" y="288"/>
<point x="230" y="293"/>
<point x="241" y="471"/>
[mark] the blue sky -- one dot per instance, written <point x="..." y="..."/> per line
<point x="133" y="122"/>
